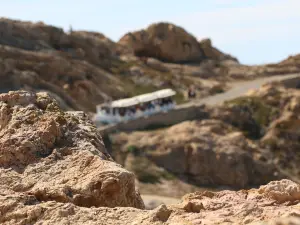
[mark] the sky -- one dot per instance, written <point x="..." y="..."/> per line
<point x="254" y="31"/>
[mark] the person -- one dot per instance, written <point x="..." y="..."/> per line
<point x="191" y="93"/>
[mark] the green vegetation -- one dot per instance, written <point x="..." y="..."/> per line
<point x="255" y="115"/>
<point x="133" y="149"/>
<point x="217" y="89"/>
<point x="147" y="172"/>
<point x="179" y="98"/>
<point x="261" y="112"/>
<point x="121" y="67"/>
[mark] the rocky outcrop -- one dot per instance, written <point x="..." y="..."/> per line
<point x="226" y="207"/>
<point x="90" y="46"/>
<point x="54" y="169"/>
<point x="206" y="152"/>
<point x="269" y="115"/>
<point x="164" y="41"/>
<point x="79" y="84"/>
<point x="170" y="43"/>
<point x="50" y="155"/>
<point x="82" y="69"/>
<point x="211" y="52"/>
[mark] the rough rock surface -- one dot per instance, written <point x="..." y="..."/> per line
<point x="49" y="155"/>
<point x="82" y="69"/>
<point x="206" y="152"/>
<point x="170" y="43"/>
<point x="54" y="169"/>
<point x="226" y="207"/>
<point x="94" y="47"/>
<point x="75" y="82"/>
<point x="270" y="115"/>
<point x="211" y="52"/>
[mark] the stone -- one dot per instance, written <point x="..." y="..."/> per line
<point x="165" y="42"/>
<point x="58" y="156"/>
<point x="189" y="150"/>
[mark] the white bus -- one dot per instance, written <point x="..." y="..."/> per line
<point x="132" y="108"/>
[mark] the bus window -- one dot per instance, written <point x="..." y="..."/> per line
<point x="122" y="111"/>
<point x="105" y="110"/>
<point x="133" y="110"/>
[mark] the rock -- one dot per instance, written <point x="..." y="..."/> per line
<point x="226" y="207"/>
<point x="34" y="71"/>
<point x="157" y="65"/>
<point x="94" y="47"/>
<point x="136" y="71"/>
<point x="83" y="69"/>
<point x="281" y="191"/>
<point x="191" y="148"/>
<point x="50" y="155"/>
<point x="293" y="60"/>
<point x="212" y="53"/>
<point x="54" y="169"/>
<point x="165" y="42"/>
<point x="242" y="207"/>
<point x="270" y="115"/>
<point x="292" y="220"/>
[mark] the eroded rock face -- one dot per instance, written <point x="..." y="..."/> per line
<point x="54" y="169"/>
<point x="242" y="207"/>
<point x="82" y="69"/>
<point x="211" y="52"/>
<point x="226" y="207"/>
<point x="206" y="152"/>
<point x="42" y="37"/>
<point x="50" y="155"/>
<point x="79" y="84"/>
<point x="271" y="116"/>
<point x="164" y="41"/>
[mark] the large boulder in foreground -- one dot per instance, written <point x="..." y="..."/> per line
<point x="50" y="155"/>
<point x="165" y="42"/>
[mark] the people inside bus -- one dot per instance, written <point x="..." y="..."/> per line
<point x="122" y="111"/>
<point x="139" y="109"/>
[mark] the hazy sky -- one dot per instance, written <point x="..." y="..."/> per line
<point x="255" y="31"/>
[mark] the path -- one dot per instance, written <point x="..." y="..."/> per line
<point x="238" y="89"/>
<point x="194" y="110"/>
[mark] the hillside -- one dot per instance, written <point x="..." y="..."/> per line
<point x="245" y="142"/>
<point x="81" y="69"/>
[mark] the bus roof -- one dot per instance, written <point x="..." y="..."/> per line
<point x="127" y="102"/>
<point x="124" y="103"/>
<point x="165" y="93"/>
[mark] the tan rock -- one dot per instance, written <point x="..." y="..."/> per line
<point x="54" y="169"/>
<point x="87" y="84"/>
<point x="57" y="156"/>
<point x="226" y="207"/>
<point x="157" y="65"/>
<point x="208" y="152"/>
<point x="164" y="41"/>
<point x="271" y="116"/>
<point x="281" y="191"/>
<point x="212" y="53"/>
